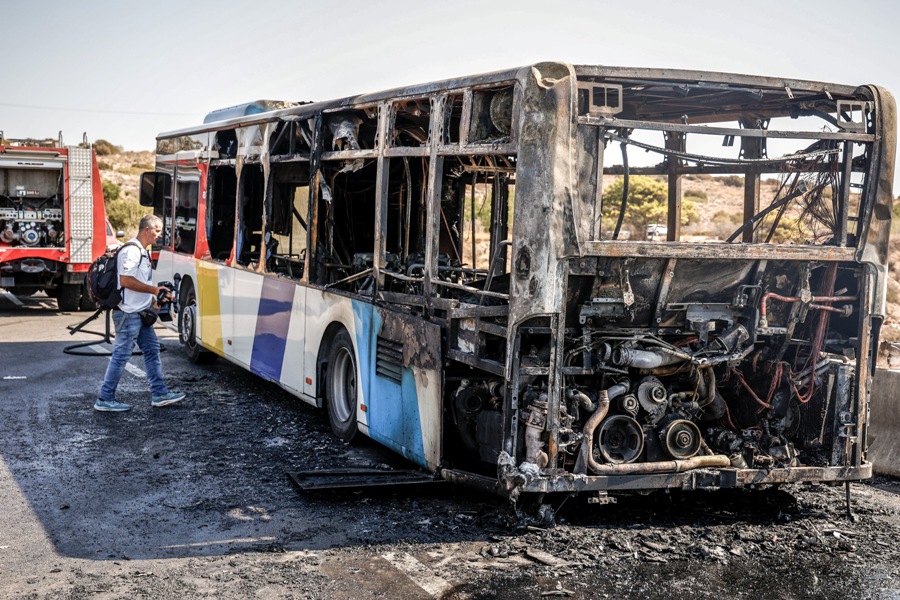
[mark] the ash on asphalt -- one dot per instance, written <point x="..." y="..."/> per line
<point x="204" y="485"/>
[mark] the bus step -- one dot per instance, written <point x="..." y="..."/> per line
<point x="333" y="479"/>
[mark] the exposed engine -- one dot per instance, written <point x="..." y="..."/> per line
<point x="736" y="376"/>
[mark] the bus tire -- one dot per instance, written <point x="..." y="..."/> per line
<point x="69" y="297"/>
<point x="187" y="329"/>
<point x="341" y="386"/>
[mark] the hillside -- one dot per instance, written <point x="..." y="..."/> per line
<point x="124" y="169"/>
<point x="120" y="173"/>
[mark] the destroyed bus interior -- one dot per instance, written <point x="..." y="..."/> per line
<point x="587" y="342"/>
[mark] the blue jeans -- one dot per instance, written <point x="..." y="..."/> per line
<point x="128" y="329"/>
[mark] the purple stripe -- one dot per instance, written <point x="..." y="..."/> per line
<point x="272" y="323"/>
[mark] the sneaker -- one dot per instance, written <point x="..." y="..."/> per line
<point x="111" y="406"/>
<point x="170" y="398"/>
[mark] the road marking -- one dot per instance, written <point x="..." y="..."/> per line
<point x="137" y="371"/>
<point x="418" y="573"/>
<point x="12" y="298"/>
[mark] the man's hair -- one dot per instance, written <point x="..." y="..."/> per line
<point x="149" y="221"/>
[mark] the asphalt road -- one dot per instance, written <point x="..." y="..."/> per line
<point x="194" y="500"/>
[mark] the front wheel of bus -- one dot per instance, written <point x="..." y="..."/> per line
<point x="341" y="387"/>
<point x="187" y="330"/>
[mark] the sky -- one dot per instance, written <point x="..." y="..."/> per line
<point x="126" y="71"/>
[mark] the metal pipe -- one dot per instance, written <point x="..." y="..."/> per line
<point x="594" y="420"/>
<point x="763" y="321"/>
<point x="710" y="387"/>
<point x="668" y="466"/>
<point x="646" y="359"/>
<point x="582" y="399"/>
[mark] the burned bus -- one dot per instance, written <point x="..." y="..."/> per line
<point x="458" y="271"/>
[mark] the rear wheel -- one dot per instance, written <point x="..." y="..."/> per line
<point x="341" y="387"/>
<point x="187" y="329"/>
<point x="69" y="297"/>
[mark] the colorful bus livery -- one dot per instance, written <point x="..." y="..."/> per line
<point x="463" y="271"/>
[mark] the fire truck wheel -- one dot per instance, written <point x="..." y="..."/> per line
<point x="69" y="297"/>
<point x="187" y="329"/>
<point x="341" y="387"/>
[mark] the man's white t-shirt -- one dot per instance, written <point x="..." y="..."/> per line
<point x="134" y="260"/>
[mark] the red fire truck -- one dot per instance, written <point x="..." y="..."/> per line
<point x="52" y="218"/>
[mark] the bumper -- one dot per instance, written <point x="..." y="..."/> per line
<point x="697" y="479"/>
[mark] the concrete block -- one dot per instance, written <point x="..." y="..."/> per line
<point x="884" y="423"/>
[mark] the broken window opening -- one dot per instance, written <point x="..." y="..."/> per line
<point x="711" y="192"/>
<point x="220" y="210"/>
<point x="492" y="115"/>
<point x="404" y="238"/>
<point x="453" y="114"/>
<point x="287" y="220"/>
<point x="779" y="132"/>
<point x="251" y="201"/>
<point x="226" y="144"/>
<point x="406" y="208"/>
<point x="346" y="220"/>
<point x="187" y="195"/>
<point x="411" y="122"/>
<point x="477" y="200"/>
<point x="351" y="130"/>
<point x="292" y="138"/>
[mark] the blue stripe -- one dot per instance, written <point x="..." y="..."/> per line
<point x="272" y="323"/>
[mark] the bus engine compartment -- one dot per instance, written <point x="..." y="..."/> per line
<point x="675" y="365"/>
<point x="747" y="364"/>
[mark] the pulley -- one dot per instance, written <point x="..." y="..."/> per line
<point x="620" y="439"/>
<point x="681" y="439"/>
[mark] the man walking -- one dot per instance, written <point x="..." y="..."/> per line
<point x="138" y="296"/>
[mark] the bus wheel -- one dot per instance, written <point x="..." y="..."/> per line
<point x="187" y="329"/>
<point x="69" y="297"/>
<point x="340" y="387"/>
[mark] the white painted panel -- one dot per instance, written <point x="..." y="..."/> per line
<point x="246" y="291"/>
<point x="294" y="369"/>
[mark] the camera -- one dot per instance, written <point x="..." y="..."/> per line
<point x="165" y="306"/>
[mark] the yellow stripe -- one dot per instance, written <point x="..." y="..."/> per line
<point x="208" y="303"/>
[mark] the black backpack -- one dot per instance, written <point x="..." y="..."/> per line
<point x="103" y="280"/>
